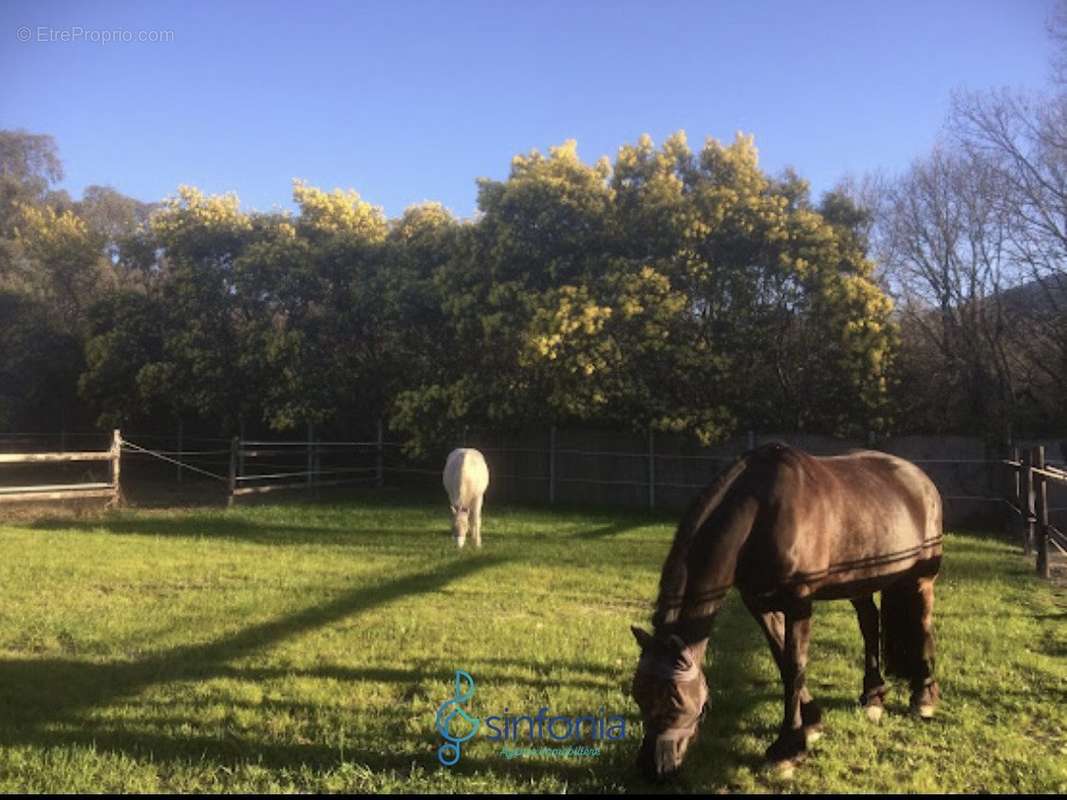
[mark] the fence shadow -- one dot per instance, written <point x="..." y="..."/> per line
<point x="605" y="531"/>
<point x="236" y="528"/>
<point x="43" y="699"/>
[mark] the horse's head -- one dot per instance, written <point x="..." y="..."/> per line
<point x="460" y="524"/>
<point x="670" y="688"/>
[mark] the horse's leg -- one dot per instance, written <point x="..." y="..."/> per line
<point x="476" y="520"/>
<point x="873" y="697"/>
<point x="772" y="623"/>
<point x="924" y="689"/>
<point x="788" y="634"/>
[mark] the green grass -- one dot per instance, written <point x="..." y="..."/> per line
<point x="307" y="647"/>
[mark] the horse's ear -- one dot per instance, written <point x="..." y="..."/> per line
<point x="454" y="509"/>
<point x="644" y="638"/>
<point x="676" y="643"/>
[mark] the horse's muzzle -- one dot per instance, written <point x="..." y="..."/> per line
<point x="660" y="757"/>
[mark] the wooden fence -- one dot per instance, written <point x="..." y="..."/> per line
<point x="1028" y="480"/>
<point x="67" y="491"/>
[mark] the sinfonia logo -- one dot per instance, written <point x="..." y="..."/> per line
<point x="457" y="726"/>
<point x="445" y="722"/>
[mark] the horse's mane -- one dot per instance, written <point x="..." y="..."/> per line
<point x="675" y="572"/>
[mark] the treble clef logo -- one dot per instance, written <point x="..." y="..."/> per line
<point x="449" y="753"/>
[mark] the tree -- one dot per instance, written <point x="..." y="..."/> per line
<point x="1022" y="140"/>
<point x="316" y="302"/>
<point x="677" y="291"/>
<point x="125" y="354"/>
<point x="946" y="241"/>
<point x="201" y="238"/>
<point x="67" y="268"/>
<point x="39" y="367"/>
<point x="29" y="166"/>
<point x="119" y="221"/>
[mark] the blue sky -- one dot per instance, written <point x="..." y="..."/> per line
<point x="409" y="101"/>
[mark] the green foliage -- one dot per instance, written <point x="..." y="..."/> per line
<point x="202" y="237"/>
<point x="126" y="373"/>
<point x="673" y="290"/>
<point x="70" y="270"/>
<point x="29" y="165"/>
<point x="39" y="365"/>
<point x="682" y="291"/>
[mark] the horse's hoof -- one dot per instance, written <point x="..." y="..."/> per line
<point x="811" y="736"/>
<point x="874" y="713"/>
<point x="924" y="701"/>
<point x="810" y="714"/>
<point x="789" y="747"/>
<point x="924" y="710"/>
<point x="785" y="769"/>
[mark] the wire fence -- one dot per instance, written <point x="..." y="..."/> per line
<point x="569" y="467"/>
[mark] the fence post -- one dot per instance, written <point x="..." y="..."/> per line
<point x="116" y="467"/>
<point x="1015" y="491"/>
<point x="1042" y="515"/>
<point x="1006" y="488"/>
<point x="1017" y="477"/>
<point x="235" y="445"/>
<point x="310" y="452"/>
<point x="180" y="448"/>
<point x="1029" y="516"/>
<point x="651" y="469"/>
<point x="316" y="468"/>
<point x="552" y="465"/>
<point x="380" y="465"/>
<point x="241" y="449"/>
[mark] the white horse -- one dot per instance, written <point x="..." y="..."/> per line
<point x="466" y="478"/>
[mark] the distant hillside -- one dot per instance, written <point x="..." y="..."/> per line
<point x="1042" y="296"/>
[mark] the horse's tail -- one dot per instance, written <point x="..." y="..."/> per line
<point x="899" y="626"/>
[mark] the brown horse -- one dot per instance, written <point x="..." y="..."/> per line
<point x="787" y="528"/>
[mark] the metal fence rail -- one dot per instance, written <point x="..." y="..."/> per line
<point x="254" y="467"/>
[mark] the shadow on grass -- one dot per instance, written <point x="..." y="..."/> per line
<point x="604" y="532"/>
<point x="190" y="526"/>
<point x="421" y="672"/>
<point x="259" y="531"/>
<point x="222" y="526"/>
<point x="45" y="701"/>
<point x="231" y="749"/>
<point x="38" y="694"/>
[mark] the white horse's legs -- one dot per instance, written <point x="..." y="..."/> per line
<point x="460" y="525"/>
<point x="476" y="521"/>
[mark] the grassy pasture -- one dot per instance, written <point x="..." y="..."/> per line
<point x="302" y="647"/>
